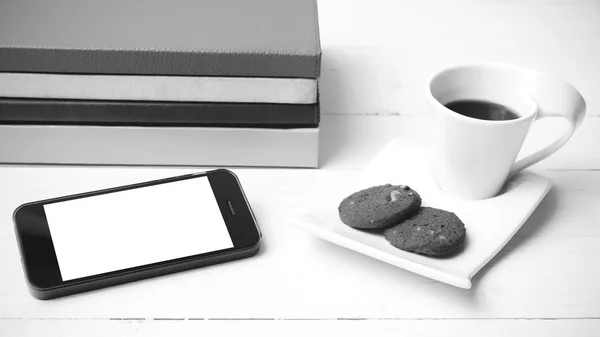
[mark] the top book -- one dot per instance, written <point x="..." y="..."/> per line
<point x="240" y="38"/>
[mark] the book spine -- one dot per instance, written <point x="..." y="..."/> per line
<point x="154" y="146"/>
<point x="160" y="88"/>
<point x="44" y="111"/>
<point x="157" y="62"/>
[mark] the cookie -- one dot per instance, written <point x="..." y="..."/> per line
<point x="430" y="231"/>
<point x="379" y="206"/>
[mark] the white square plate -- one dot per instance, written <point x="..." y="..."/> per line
<point x="490" y="223"/>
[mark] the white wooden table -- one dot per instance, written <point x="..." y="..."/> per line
<point x="376" y="58"/>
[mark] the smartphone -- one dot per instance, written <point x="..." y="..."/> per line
<point x="103" y="238"/>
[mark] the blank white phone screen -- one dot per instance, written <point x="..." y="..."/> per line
<point x="136" y="227"/>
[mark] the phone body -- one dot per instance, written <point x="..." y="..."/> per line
<point x="93" y="240"/>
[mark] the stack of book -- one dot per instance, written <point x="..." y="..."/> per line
<point x="179" y="82"/>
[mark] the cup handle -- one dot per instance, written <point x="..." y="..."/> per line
<point x="555" y="98"/>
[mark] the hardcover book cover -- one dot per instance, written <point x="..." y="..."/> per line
<point x="239" y="38"/>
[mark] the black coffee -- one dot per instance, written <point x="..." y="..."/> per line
<point x="482" y="110"/>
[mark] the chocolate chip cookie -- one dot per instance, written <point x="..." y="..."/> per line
<point x="431" y="231"/>
<point x="379" y="206"/>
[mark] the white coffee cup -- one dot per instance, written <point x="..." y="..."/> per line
<point x="472" y="158"/>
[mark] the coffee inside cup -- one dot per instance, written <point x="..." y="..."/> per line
<point x="483" y="110"/>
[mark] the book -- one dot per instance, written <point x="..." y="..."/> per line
<point x="173" y="146"/>
<point x="228" y="38"/>
<point x="189" y="60"/>
<point x="160" y="88"/>
<point x="140" y="113"/>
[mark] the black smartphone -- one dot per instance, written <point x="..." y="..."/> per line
<point x="98" y="239"/>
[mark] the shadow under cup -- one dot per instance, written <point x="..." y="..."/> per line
<point x="471" y="157"/>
